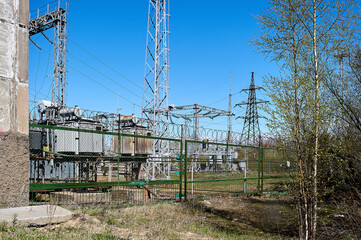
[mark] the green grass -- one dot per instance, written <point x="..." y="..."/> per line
<point x="104" y="236"/>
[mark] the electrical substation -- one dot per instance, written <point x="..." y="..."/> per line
<point x="72" y="145"/>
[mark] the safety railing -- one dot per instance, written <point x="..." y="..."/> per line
<point x="51" y="6"/>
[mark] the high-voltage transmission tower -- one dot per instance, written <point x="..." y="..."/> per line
<point x="251" y="134"/>
<point x="155" y="95"/>
<point x="53" y="15"/>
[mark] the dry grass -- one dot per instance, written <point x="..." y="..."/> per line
<point x="215" y="218"/>
<point x="241" y="217"/>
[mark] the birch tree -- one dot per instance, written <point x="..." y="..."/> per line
<point x="303" y="36"/>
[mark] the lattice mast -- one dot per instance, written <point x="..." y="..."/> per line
<point x="58" y="96"/>
<point x="155" y="95"/>
<point x="251" y="133"/>
<point x="53" y="15"/>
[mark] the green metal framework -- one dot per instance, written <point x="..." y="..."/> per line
<point x="192" y="175"/>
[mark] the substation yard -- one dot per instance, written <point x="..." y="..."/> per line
<point x="90" y="158"/>
<point x="130" y="177"/>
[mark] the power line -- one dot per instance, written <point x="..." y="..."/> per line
<point x="103" y="86"/>
<point x="47" y="67"/>
<point x="104" y="75"/>
<point x="36" y="75"/>
<point x="36" y="92"/>
<point x="197" y="91"/>
<point x="98" y="83"/>
<point x="72" y="3"/>
<point x="111" y="68"/>
<point x="224" y="98"/>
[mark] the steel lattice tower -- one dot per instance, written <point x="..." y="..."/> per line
<point x="155" y="95"/>
<point x="155" y="92"/>
<point x="53" y="15"/>
<point x="251" y="134"/>
<point x="59" y="75"/>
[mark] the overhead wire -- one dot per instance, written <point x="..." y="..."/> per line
<point x="46" y="70"/>
<point x="36" y="75"/>
<point x="83" y="74"/>
<point x="107" y="65"/>
<point x="35" y="91"/>
<point x="72" y="3"/>
<point x="104" y="75"/>
<point x="98" y="83"/>
<point x="197" y="91"/>
<point x="30" y="93"/>
<point x="224" y="98"/>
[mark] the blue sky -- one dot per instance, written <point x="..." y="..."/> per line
<point x="209" y="38"/>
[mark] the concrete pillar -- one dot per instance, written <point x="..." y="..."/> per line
<point x="14" y="126"/>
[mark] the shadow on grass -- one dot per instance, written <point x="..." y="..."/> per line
<point x="273" y="216"/>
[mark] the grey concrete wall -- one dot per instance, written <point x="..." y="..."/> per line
<point x="14" y="128"/>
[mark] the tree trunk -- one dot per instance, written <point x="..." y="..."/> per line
<point x="316" y="117"/>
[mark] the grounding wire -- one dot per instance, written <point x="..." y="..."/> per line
<point x="108" y="66"/>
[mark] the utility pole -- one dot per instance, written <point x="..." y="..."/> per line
<point x="229" y="134"/>
<point x="230" y="109"/>
<point x="196" y="121"/>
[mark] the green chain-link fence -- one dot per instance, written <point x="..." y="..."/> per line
<point x="86" y="165"/>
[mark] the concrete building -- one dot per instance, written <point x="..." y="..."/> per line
<point x="14" y="127"/>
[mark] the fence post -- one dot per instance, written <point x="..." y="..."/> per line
<point x="227" y="159"/>
<point x="185" y="168"/>
<point x="119" y="140"/>
<point x="181" y="167"/>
